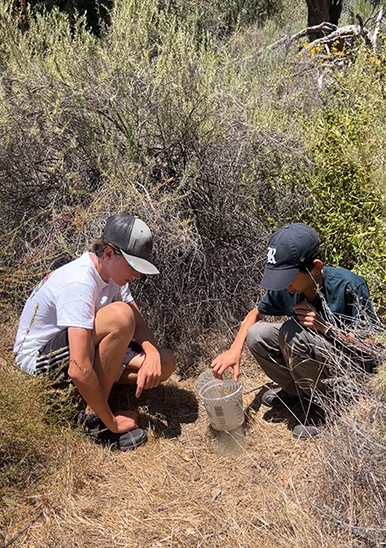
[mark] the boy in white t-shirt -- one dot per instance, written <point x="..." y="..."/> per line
<point x="82" y="318"/>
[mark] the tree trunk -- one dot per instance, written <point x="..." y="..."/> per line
<point x="335" y="11"/>
<point x="323" y="11"/>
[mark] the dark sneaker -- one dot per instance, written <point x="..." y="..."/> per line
<point x="311" y="425"/>
<point x="277" y="397"/>
<point x="91" y="423"/>
<point x="123" y="442"/>
<point x="305" y="432"/>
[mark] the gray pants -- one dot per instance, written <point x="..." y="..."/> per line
<point x="292" y="356"/>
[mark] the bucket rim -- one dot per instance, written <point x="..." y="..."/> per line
<point x="238" y="389"/>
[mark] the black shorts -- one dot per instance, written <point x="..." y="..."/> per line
<point x="55" y="355"/>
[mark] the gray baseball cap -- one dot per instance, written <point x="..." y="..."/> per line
<point x="134" y="239"/>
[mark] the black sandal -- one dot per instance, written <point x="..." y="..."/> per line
<point x="124" y="442"/>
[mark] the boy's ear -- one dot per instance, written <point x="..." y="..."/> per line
<point x="317" y="266"/>
<point x="108" y="252"/>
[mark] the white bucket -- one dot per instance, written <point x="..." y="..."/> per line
<point x="223" y="401"/>
<point x="204" y="378"/>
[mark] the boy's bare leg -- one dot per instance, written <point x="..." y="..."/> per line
<point x="114" y="328"/>
<point x="168" y="365"/>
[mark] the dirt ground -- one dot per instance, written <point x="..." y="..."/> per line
<point x="187" y="487"/>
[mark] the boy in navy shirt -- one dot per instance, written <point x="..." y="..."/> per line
<point x="323" y="305"/>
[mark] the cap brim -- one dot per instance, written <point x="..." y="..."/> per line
<point x="276" y="279"/>
<point x="140" y="265"/>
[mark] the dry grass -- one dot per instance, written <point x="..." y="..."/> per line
<point x="186" y="487"/>
<point x="182" y="489"/>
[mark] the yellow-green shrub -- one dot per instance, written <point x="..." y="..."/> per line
<point x="346" y="141"/>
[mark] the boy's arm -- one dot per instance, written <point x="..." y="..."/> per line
<point x="82" y="373"/>
<point x="308" y="317"/>
<point x="143" y="334"/>
<point x="232" y="357"/>
<point x="149" y="374"/>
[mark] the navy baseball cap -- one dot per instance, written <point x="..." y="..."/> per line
<point x="134" y="239"/>
<point x="290" y="249"/>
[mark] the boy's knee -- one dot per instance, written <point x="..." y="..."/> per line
<point x="168" y="363"/>
<point x="289" y="334"/>
<point x="119" y="315"/>
<point x="257" y="335"/>
<point x="299" y="343"/>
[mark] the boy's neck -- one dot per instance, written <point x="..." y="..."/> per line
<point x="98" y="263"/>
<point x="311" y="292"/>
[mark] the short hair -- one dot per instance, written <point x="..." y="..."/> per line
<point x="307" y="266"/>
<point x="100" y="245"/>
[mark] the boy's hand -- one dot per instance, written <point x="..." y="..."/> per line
<point x="308" y="317"/>
<point x="149" y="374"/>
<point x="225" y="360"/>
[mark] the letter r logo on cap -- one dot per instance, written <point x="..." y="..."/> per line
<point x="271" y="255"/>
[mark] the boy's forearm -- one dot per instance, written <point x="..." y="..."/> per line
<point x="86" y="381"/>
<point x="143" y="334"/>
<point x="145" y="338"/>
<point x="251" y="318"/>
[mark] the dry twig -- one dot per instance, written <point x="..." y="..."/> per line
<point x="25" y="528"/>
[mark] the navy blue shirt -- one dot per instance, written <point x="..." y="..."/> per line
<point x="343" y="291"/>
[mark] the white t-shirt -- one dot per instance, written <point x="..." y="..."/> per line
<point x="68" y="297"/>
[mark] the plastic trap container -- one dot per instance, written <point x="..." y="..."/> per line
<point x="223" y="401"/>
<point x="204" y="378"/>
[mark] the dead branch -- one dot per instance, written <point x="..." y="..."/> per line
<point x="332" y="34"/>
<point x="371" y="534"/>
<point x="287" y="40"/>
<point x="342" y="33"/>
<point x="25" y="528"/>
<point x="374" y="37"/>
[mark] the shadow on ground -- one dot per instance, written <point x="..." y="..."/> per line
<point x="162" y="409"/>
<point x="280" y="414"/>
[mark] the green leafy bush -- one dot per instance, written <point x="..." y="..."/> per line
<point x="346" y="140"/>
